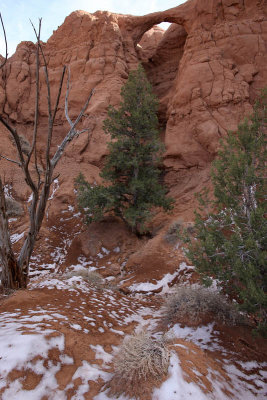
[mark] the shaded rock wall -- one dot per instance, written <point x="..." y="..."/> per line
<point x="162" y="67"/>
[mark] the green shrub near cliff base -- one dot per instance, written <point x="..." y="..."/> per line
<point x="231" y="232"/>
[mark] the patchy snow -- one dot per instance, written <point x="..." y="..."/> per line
<point x="149" y="287"/>
<point x="105" y="251"/>
<point x="106" y="313"/>
<point x="18" y="351"/>
<point x="243" y="385"/>
<point x="87" y="373"/>
<point x="72" y="284"/>
<point x="12" y="219"/>
<point x="184" y="267"/>
<point x="162" y="283"/>
<point x="204" y="336"/>
<point x="175" y="387"/>
<point x="101" y="354"/>
<point x="16" y="237"/>
<point x="8" y="191"/>
<point x="77" y="327"/>
<point x="55" y="187"/>
<point x="30" y="198"/>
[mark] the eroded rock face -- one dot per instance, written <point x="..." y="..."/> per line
<point x="206" y="69"/>
<point x="149" y="43"/>
<point x="221" y="70"/>
<point x="162" y="67"/>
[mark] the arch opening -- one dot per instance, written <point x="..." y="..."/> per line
<point x="160" y="52"/>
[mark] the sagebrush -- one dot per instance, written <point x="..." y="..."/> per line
<point x="195" y="302"/>
<point x="141" y="358"/>
<point x="91" y="277"/>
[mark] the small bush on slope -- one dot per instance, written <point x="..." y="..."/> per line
<point x="193" y="303"/>
<point x="14" y="209"/>
<point x="91" y="277"/>
<point x="176" y="231"/>
<point x="140" y="360"/>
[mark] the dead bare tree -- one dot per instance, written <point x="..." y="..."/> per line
<point x="15" y="269"/>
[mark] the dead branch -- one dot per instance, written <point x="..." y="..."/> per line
<point x="3" y="27"/>
<point x="16" y="139"/>
<point x="52" y="118"/>
<point x="67" y="100"/>
<point x="9" y="159"/>
<point x="72" y="132"/>
<point x="36" y="113"/>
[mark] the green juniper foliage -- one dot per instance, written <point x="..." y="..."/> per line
<point x="230" y="243"/>
<point x="131" y="172"/>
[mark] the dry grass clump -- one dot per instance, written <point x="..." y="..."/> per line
<point x="92" y="277"/>
<point x="173" y="233"/>
<point x="13" y="208"/>
<point x="176" y="231"/>
<point x="195" y="303"/>
<point x="139" y="365"/>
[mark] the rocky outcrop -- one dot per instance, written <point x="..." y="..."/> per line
<point x="206" y="70"/>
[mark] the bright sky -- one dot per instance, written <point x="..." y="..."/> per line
<point x="16" y="14"/>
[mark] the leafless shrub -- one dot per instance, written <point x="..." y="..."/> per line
<point x="177" y="230"/>
<point x="140" y="359"/>
<point x="173" y="233"/>
<point x="194" y="303"/>
<point x="13" y="208"/>
<point x="92" y="277"/>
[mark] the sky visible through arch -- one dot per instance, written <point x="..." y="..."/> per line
<point x="16" y="15"/>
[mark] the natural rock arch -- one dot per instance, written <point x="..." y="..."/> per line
<point x="162" y="66"/>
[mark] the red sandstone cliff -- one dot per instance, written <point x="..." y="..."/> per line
<point x="206" y="70"/>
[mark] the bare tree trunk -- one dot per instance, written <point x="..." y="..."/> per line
<point x="15" y="271"/>
<point x="11" y="274"/>
<point x="36" y="220"/>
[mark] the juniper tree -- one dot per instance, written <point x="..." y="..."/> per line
<point x="230" y="241"/>
<point x="131" y="172"/>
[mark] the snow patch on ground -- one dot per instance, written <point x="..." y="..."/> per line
<point x="162" y="283"/>
<point x="16" y="237"/>
<point x="101" y="354"/>
<point x="204" y="336"/>
<point x="21" y="340"/>
<point x="175" y="387"/>
<point x="149" y="287"/>
<point x="72" y="284"/>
